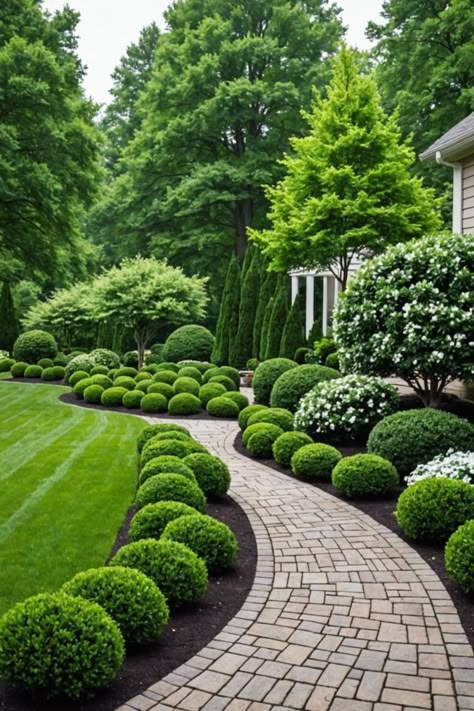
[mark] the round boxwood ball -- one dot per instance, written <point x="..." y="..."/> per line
<point x="165" y="376"/>
<point x="290" y="387"/>
<point x="240" y="400"/>
<point x="150" y="431"/>
<point x="211" y="540"/>
<point x="143" y="386"/>
<point x="133" y="399"/>
<point x="231" y="373"/>
<point x="222" y="407"/>
<point x="209" y="391"/>
<point x="210" y="373"/>
<point x="275" y="416"/>
<point x="267" y="374"/>
<point x="365" y="475"/>
<point x="31" y="346"/>
<point x="186" y="385"/>
<point x="177" y="571"/>
<point x="46" y="362"/>
<point x="415" y="437"/>
<point x="160" y="436"/>
<point x="162" y="389"/>
<point x="287" y="444"/>
<point x="259" y="441"/>
<point x="49" y="374"/>
<point x="166" y="464"/>
<point x="459" y="556"/>
<point x="99" y="370"/>
<point x="188" y="371"/>
<point x="112" y="397"/>
<point x="93" y="394"/>
<point x="212" y="474"/>
<point x="170" y="487"/>
<point x="184" y="404"/>
<point x="77" y="376"/>
<point x="33" y="371"/>
<point x="261" y="427"/>
<point x="247" y="413"/>
<point x="432" y="509"/>
<point x="228" y="383"/>
<point x="315" y="461"/>
<point x="80" y="387"/>
<point x="124" y="381"/>
<point x="143" y="375"/>
<point x="154" y="402"/>
<point x="176" y="448"/>
<point x="189" y="343"/>
<point x="59" y="372"/>
<point x="168" y="365"/>
<point x="6" y="364"/>
<point x="58" y="645"/>
<point x="151" y="520"/>
<point x="18" y="369"/>
<point x="130" y="597"/>
<point x="103" y="380"/>
<point x="105" y="357"/>
<point x="126" y="372"/>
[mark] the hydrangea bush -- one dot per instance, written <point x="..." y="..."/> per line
<point x="346" y="407"/>
<point x="453" y="465"/>
<point x="410" y="313"/>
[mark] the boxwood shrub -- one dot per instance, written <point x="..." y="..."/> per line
<point x="112" y="397"/>
<point x="143" y="375"/>
<point x="33" y="371"/>
<point x="50" y="374"/>
<point x="210" y="373"/>
<point x="93" y="394"/>
<point x="82" y="362"/>
<point x="240" y="400"/>
<point x="103" y="380"/>
<point x="45" y="362"/>
<point x="31" y="346"/>
<point x="143" y="386"/>
<point x="124" y="381"/>
<point x="105" y="357"/>
<point x="189" y="371"/>
<point x="222" y="407"/>
<point x="81" y="386"/>
<point x="432" y="509"/>
<point x="154" y="402"/>
<point x="209" y="391"/>
<point x="165" y="376"/>
<point x="415" y="437"/>
<point x="18" y="369"/>
<point x="459" y="556"/>
<point x="99" y="370"/>
<point x="290" y="387"/>
<point x="247" y="412"/>
<point x="126" y="372"/>
<point x="150" y="431"/>
<point x="59" y="372"/>
<point x="266" y="375"/>
<point x="186" y="385"/>
<point x="211" y="540"/>
<point x="166" y="464"/>
<point x="167" y="365"/>
<point x="162" y="389"/>
<point x="287" y="444"/>
<point x="160" y="436"/>
<point x="275" y="416"/>
<point x="259" y="439"/>
<point x="365" y="475"/>
<point x="228" y="383"/>
<point x="212" y="474"/>
<point x="184" y="404"/>
<point x="189" y="343"/>
<point x="133" y="399"/>
<point x="315" y="461"/>
<point x="151" y="520"/>
<point x="77" y="376"/>
<point x="130" y="597"/>
<point x="171" y="446"/>
<point x="177" y="571"/>
<point x="58" y="645"/>
<point x="170" y="487"/>
<point x="6" y="364"/>
<point x="231" y="373"/>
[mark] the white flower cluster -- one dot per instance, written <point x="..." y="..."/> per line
<point x="345" y="407"/>
<point x="453" y="465"/>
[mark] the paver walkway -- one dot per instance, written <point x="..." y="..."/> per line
<point x="342" y="616"/>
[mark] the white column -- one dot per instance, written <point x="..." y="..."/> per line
<point x="294" y="288"/>
<point x="325" y="306"/>
<point x="309" y="303"/>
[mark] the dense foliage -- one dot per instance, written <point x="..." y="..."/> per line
<point x="365" y="475"/>
<point x="170" y="487"/>
<point x="459" y="556"/>
<point x="151" y="520"/>
<point x="452" y="465"/>
<point x="266" y="375"/>
<point x="211" y="540"/>
<point x="33" y="345"/>
<point x="292" y="385"/>
<point x="189" y="343"/>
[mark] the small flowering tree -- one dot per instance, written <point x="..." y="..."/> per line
<point x="410" y="313"/>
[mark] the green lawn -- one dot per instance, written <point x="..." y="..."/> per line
<point x="67" y="477"/>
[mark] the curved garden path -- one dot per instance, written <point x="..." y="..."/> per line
<point x="343" y="615"/>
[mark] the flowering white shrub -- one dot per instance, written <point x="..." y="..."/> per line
<point x="410" y="313"/>
<point x="345" y="408"/>
<point x="453" y="465"/>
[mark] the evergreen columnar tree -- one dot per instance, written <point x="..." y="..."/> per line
<point x="247" y="311"/>
<point x="269" y="280"/>
<point x="220" y="351"/>
<point x="147" y="295"/>
<point x="293" y="333"/>
<point x="234" y="313"/>
<point x="9" y="330"/>
<point x="277" y="319"/>
<point x="266" y="327"/>
<point x="347" y="189"/>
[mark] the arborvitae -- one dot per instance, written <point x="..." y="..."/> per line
<point x="233" y="323"/>
<point x="278" y="319"/>
<point x="243" y="346"/>
<point x="267" y="289"/>
<point x="220" y="352"/>
<point x="293" y="333"/>
<point x="315" y="334"/>
<point x="117" y="342"/>
<point x="9" y="330"/>
<point x="105" y="335"/>
<point x="265" y="327"/>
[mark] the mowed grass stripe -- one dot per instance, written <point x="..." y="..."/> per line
<point x="68" y="514"/>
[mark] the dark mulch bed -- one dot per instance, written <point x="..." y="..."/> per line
<point x="189" y="629"/>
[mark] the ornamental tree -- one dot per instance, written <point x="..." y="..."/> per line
<point x="410" y="313"/>
<point x="146" y="295"/>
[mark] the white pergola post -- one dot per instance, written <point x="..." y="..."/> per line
<point x="325" y="306"/>
<point x="309" y="303"/>
<point x="294" y="289"/>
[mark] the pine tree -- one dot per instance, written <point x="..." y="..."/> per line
<point x="9" y="330"/>
<point x="278" y="319"/>
<point x="220" y="352"/>
<point x="233" y="323"/>
<point x="243" y="347"/>
<point x="267" y="289"/>
<point x="293" y="333"/>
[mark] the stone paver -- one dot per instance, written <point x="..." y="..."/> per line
<point x="342" y="616"/>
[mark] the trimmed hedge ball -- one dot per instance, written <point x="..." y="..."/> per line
<point x="168" y="365"/>
<point x="143" y="375"/>
<point x="45" y="362"/>
<point x="287" y="444"/>
<point x="189" y="371"/>
<point x="143" y="386"/>
<point x="189" y="342"/>
<point x="240" y="400"/>
<point x="290" y="387"/>
<point x="315" y="461"/>
<point x="18" y="369"/>
<point x="275" y="416"/>
<point x="150" y="431"/>
<point x="177" y="571"/>
<point x="247" y="413"/>
<point x="174" y="447"/>
<point x="459" y="556"/>
<point x="105" y="357"/>
<point x="184" y="404"/>
<point x="59" y="372"/>
<point x="165" y="376"/>
<point x="228" y="383"/>
<point x="203" y="367"/>
<point x="33" y="345"/>
<point x="365" y="475"/>
<point x="77" y="376"/>
<point x="154" y="402"/>
<point x="58" y="645"/>
<point x="50" y="374"/>
<point x="126" y="372"/>
<point x="152" y="519"/>
<point x="6" y="364"/>
<point x="181" y="436"/>
<point x="211" y="540"/>
<point x="186" y="385"/>
<point x="415" y="437"/>
<point x="432" y="509"/>
<point x="222" y="407"/>
<point x="170" y="487"/>
<point x="112" y="373"/>
<point x="260" y="427"/>
<point x="99" y="370"/>
<point x="112" y="397"/>
<point x="80" y="387"/>
<point x="82" y="361"/>
<point x="231" y="373"/>
<point x="166" y="464"/>
<point x="61" y="359"/>
<point x="133" y="399"/>
<point x="130" y="597"/>
<point x="210" y="373"/>
<point x="124" y="381"/>
<point x="161" y="389"/>
<point x="260" y="440"/>
<point x="33" y="371"/>
<point x="103" y="380"/>
<point x="93" y="394"/>
<point x="267" y="374"/>
<point x="212" y="474"/>
<point x="209" y="391"/>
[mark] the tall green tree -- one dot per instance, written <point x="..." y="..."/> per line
<point x="425" y="69"/>
<point x="266" y="327"/>
<point x="234" y="312"/>
<point x="293" y="333"/>
<point x="347" y="191"/>
<point x="220" y="351"/>
<point x="9" y="329"/>
<point x="268" y="285"/>
<point x="243" y="347"/>
<point x="278" y="318"/>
